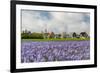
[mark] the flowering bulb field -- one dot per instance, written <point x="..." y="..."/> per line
<point x="46" y="51"/>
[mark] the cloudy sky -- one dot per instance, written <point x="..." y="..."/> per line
<point x="37" y="21"/>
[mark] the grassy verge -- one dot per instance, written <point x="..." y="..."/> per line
<point x="67" y="39"/>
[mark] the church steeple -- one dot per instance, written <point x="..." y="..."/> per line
<point x="46" y="31"/>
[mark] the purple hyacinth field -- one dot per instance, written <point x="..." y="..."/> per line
<point x="46" y="51"/>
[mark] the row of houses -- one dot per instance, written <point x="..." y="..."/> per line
<point x="65" y="35"/>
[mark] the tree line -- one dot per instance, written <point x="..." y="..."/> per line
<point x="29" y="35"/>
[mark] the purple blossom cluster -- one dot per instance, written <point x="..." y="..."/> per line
<point x="46" y="51"/>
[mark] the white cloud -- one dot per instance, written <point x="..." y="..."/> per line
<point x="59" y="22"/>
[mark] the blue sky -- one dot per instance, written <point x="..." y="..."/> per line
<point x="37" y="21"/>
<point x="44" y="15"/>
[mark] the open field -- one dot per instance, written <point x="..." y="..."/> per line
<point x="46" y="51"/>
